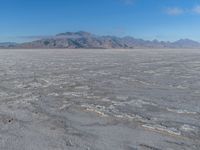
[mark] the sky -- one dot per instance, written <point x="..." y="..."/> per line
<point x="168" y="20"/>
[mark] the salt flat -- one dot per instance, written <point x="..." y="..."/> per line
<point x="100" y="99"/>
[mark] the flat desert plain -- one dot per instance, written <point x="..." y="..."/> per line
<point x="100" y="99"/>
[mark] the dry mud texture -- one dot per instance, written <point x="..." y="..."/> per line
<point x="99" y="99"/>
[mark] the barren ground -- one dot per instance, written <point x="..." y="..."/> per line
<point x="99" y="99"/>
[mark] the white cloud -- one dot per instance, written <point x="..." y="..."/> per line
<point x="196" y="9"/>
<point x="174" y="11"/>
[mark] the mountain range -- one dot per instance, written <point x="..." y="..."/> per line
<point x="87" y="40"/>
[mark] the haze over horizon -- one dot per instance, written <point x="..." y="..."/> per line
<point x="167" y="20"/>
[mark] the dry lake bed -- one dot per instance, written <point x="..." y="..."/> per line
<point x="100" y="99"/>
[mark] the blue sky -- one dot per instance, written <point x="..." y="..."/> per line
<point x="23" y="20"/>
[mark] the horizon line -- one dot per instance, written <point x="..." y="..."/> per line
<point x="31" y="38"/>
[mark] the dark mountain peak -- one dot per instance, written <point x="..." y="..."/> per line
<point x="65" y="34"/>
<point x="155" y="41"/>
<point x="79" y="33"/>
<point x="128" y="37"/>
<point x="83" y="33"/>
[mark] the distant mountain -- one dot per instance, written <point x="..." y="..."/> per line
<point x="75" y="34"/>
<point x="186" y="43"/>
<point x="87" y="40"/>
<point x="8" y="45"/>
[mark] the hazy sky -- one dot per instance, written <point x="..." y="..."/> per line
<point x="148" y="19"/>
